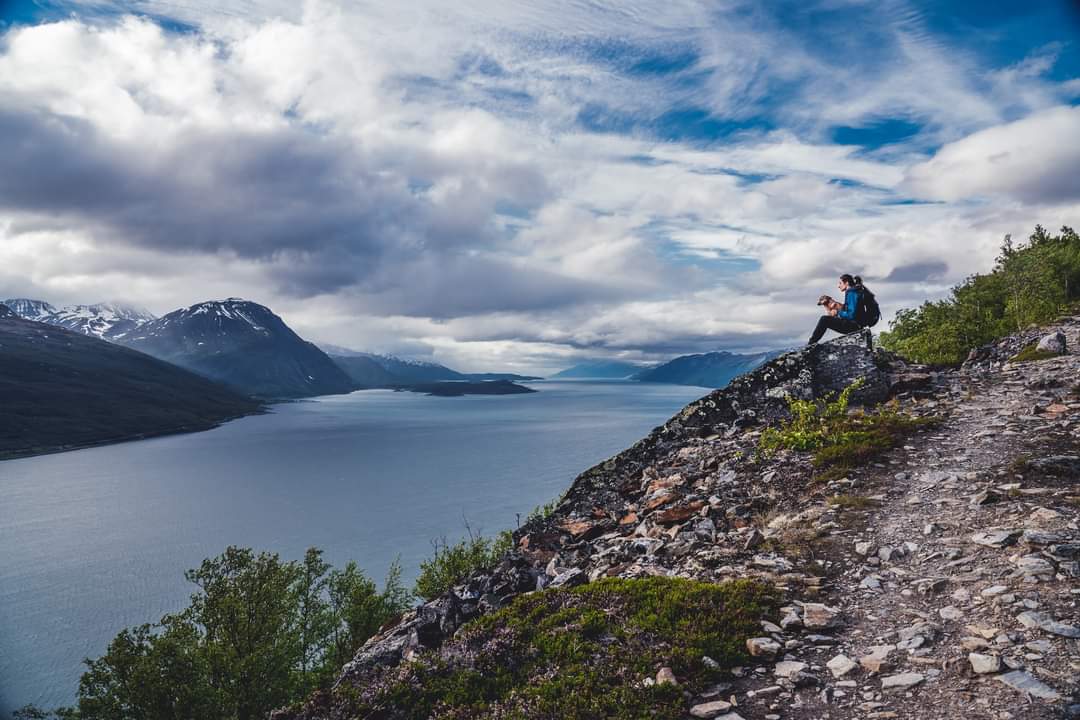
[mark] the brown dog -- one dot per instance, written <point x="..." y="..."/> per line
<point x="831" y="306"/>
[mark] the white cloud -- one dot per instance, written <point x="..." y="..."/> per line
<point x="412" y="176"/>
<point x="1033" y="160"/>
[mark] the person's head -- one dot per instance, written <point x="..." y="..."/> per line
<point x="846" y="281"/>
<point x="857" y="281"/>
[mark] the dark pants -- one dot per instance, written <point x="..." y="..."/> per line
<point x="829" y="322"/>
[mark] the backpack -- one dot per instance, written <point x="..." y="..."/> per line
<point x="867" y="312"/>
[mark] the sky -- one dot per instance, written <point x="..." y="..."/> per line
<point x="504" y="185"/>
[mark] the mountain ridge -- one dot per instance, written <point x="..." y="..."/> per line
<point x="62" y="390"/>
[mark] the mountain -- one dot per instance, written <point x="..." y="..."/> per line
<point x="711" y="370"/>
<point x="242" y="344"/>
<point x="365" y="372"/>
<point x="600" y="369"/>
<point x="413" y="371"/>
<point x="108" y="321"/>
<point x="37" y="310"/>
<point x="60" y="390"/>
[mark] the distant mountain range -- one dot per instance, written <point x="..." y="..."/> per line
<point x="61" y="389"/>
<point x="369" y="370"/>
<point x="109" y="321"/>
<point x="711" y="370"/>
<point x="600" y="370"/>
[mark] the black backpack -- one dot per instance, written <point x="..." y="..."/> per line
<point x="867" y="312"/>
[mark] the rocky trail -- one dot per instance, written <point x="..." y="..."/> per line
<point x="940" y="580"/>
<point x="957" y="591"/>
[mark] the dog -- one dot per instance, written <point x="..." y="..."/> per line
<point x="831" y="306"/>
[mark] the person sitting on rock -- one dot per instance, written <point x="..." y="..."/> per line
<point x="843" y="321"/>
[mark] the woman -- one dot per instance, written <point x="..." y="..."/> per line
<point x="844" y="320"/>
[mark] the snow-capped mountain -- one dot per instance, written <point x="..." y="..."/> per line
<point x="243" y="344"/>
<point x="36" y="310"/>
<point x="108" y="321"/>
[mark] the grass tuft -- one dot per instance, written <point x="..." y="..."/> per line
<point x="1032" y="353"/>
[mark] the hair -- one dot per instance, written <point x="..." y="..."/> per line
<point x="848" y="279"/>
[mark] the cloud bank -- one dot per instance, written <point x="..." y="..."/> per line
<point x="522" y="184"/>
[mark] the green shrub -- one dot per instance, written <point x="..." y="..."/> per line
<point x="583" y="653"/>
<point x="839" y="439"/>
<point x="453" y="564"/>
<point x="1030" y="283"/>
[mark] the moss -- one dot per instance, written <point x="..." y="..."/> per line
<point x="1032" y="353"/>
<point x="582" y="653"/>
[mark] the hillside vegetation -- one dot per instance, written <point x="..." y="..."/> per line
<point x="1031" y="283"/>
<point x="61" y="389"/>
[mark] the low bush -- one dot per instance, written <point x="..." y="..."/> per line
<point x="582" y="653"/>
<point x="451" y="565"/>
<point x="838" y="438"/>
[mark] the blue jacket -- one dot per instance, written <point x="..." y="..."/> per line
<point x="851" y="303"/>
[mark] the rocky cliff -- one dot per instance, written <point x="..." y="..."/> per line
<point x="935" y="580"/>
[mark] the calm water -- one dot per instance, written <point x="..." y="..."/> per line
<point x="96" y="540"/>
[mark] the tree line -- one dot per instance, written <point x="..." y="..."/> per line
<point x="1032" y="282"/>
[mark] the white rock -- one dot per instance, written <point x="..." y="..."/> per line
<point x="763" y="647"/>
<point x="1024" y="682"/>
<point x="984" y="664"/>
<point x="841" y="665"/>
<point x="900" y="682"/>
<point x="710" y="709"/>
<point x="816" y="615"/>
<point x="788" y="668"/>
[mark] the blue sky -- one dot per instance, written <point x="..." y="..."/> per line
<point x="522" y="184"/>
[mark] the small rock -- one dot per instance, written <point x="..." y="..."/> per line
<point x="863" y="548"/>
<point x="1027" y="683"/>
<point x="951" y="612"/>
<point x="996" y="539"/>
<point x="876" y="660"/>
<point x="1042" y="621"/>
<point x="788" y="668"/>
<point x="901" y="682"/>
<point x="763" y="647"/>
<point x="994" y="590"/>
<point x="1043" y="537"/>
<point x="710" y="709"/>
<point x="1035" y="565"/>
<point x="666" y="677"/>
<point x="841" y="665"/>
<point x="817" y="616"/>
<point x="973" y="643"/>
<point x="984" y="664"/>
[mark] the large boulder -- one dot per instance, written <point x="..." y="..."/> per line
<point x="1052" y="343"/>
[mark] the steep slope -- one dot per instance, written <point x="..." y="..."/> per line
<point x="934" y="577"/>
<point x="61" y="390"/>
<point x="600" y="369"/>
<point x="242" y="344"/>
<point x="108" y="321"/>
<point x="365" y="372"/>
<point x="711" y="370"/>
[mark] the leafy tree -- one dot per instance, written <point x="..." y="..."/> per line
<point x="1031" y="283"/>
<point x="259" y="633"/>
